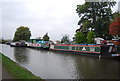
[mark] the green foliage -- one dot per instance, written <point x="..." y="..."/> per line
<point x="80" y="37"/>
<point x="22" y="33"/>
<point x="90" y="37"/>
<point x="100" y="28"/>
<point x="115" y="15"/>
<point x="95" y="15"/>
<point x="46" y="37"/>
<point x="4" y="41"/>
<point x="65" y="39"/>
<point x="86" y="25"/>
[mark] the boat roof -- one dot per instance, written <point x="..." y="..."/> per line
<point x="77" y="45"/>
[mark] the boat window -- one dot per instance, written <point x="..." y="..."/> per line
<point x="70" y="48"/>
<point x="64" y="47"/>
<point x="97" y="49"/>
<point x="87" y="48"/>
<point x="77" y="48"/>
<point x="67" y="47"/>
<point x="80" y="48"/>
<point x="118" y="49"/>
<point x="73" y="48"/>
<point x="54" y="47"/>
<point x="57" y="47"/>
<point x="60" y="47"/>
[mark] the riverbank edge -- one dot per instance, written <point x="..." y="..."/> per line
<point x="16" y="70"/>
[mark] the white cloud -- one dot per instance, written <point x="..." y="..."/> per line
<point x="56" y="17"/>
<point x="0" y="20"/>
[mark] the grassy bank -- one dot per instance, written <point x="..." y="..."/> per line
<point x="0" y="58"/>
<point x="16" y="70"/>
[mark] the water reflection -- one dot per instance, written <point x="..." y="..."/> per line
<point x="83" y="67"/>
<point x="93" y="68"/>
<point x="69" y="63"/>
<point x="61" y="65"/>
<point x="21" y="55"/>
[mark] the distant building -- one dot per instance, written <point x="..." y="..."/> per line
<point x="51" y="42"/>
<point x="58" y="42"/>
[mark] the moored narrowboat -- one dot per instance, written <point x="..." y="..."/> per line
<point x="34" y="45"/>
<point x="39" y="44"/>
<point x="18" y="44"/>
<point x="109" y="51"/>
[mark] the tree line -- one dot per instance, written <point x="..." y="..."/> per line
<point x="24" y="33"/>
<point x="96" y="20"/>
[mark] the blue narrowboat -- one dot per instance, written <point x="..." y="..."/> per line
<point x="39" y="44"/>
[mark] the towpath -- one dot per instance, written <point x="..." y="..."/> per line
<point x="4" y="74"/>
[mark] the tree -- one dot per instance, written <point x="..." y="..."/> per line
<point x="22" y="33"/>
<point x="114" y="28"/>
<point x="46" y="37"/>
<point x="90" y="37"/>
<point x="3" y="41"/>
<point x="80" y="37"/>
<point x="86" y="25"/>
<point x="116" y="15"/>
<point x="96" y="15"/>
<point x="65" y="39"/>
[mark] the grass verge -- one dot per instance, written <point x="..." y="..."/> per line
<point x="16" y="70"/>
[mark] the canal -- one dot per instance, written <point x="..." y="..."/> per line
<point x="56" y="65"/>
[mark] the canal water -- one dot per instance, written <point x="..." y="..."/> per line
<point x="56" y="65"/>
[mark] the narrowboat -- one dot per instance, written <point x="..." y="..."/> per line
<point x="108" y="51"/>
<point x="18" y="44"/>
<point x="39" y="44"/>
<point x="34" y="45"/>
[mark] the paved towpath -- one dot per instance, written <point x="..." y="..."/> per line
<point x="5" y="74"/>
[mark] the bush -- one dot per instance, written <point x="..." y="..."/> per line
<point x="90" y="37"/>
<point x="80" y="38"/>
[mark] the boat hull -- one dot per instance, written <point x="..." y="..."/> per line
<point x="38" y="46"/>
<point x="18" y="45"/>
<point x="87" y="50"/>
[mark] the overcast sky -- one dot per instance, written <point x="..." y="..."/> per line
<point x="57" y="17"/>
